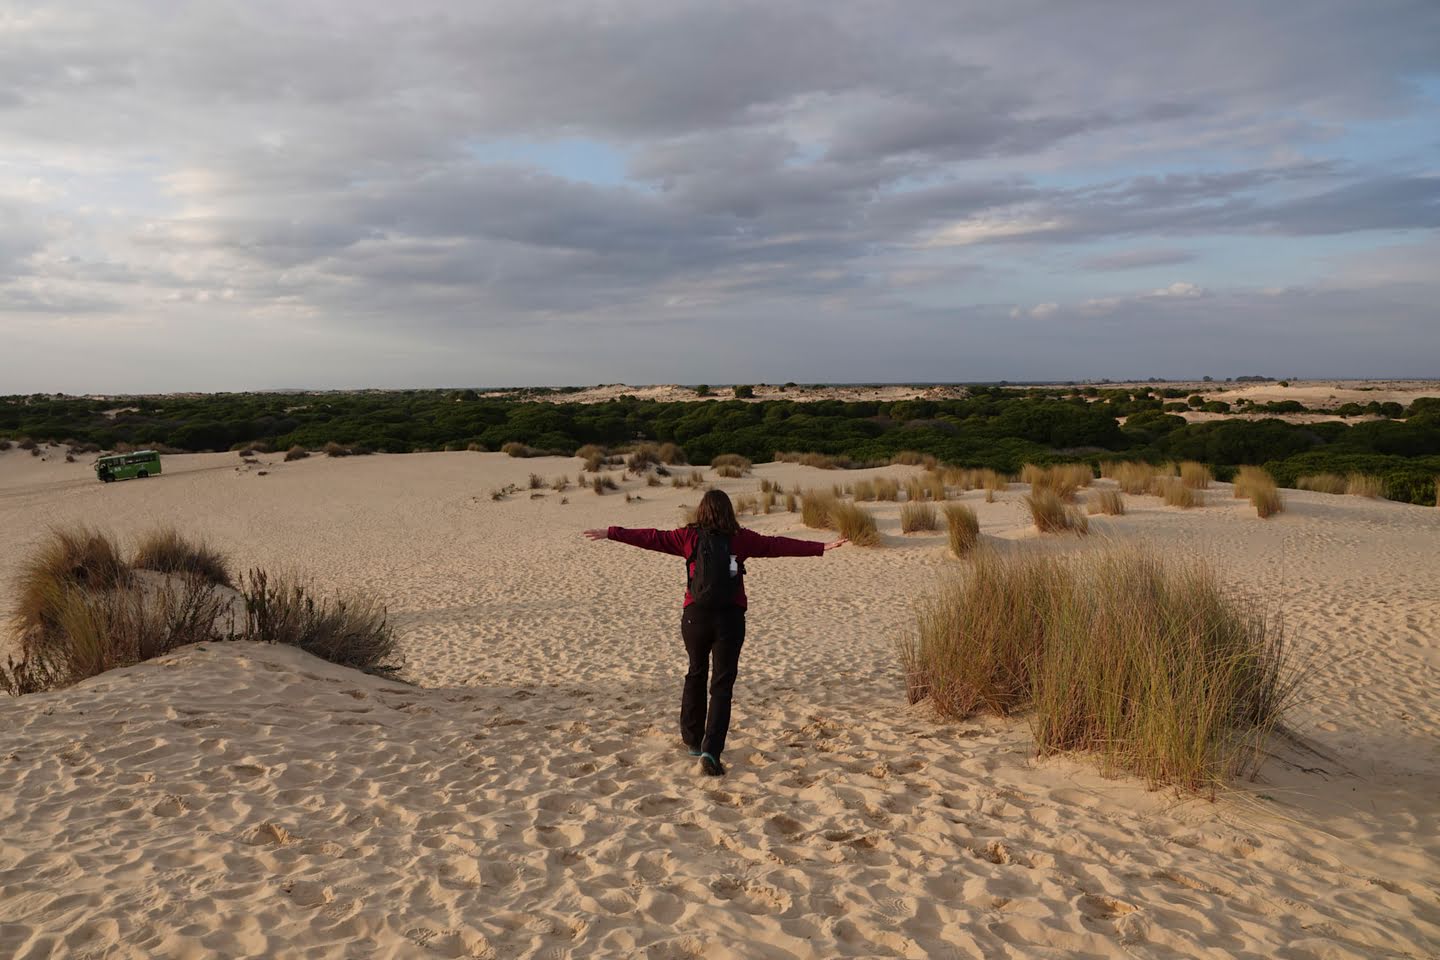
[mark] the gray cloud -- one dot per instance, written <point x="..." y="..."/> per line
<point x="812" y="164"/>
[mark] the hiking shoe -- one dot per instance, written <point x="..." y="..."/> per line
<point x="711" y="766"/>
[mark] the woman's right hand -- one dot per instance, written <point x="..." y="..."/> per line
<point x="836" y="544"/>
<point x="596" y="534"/>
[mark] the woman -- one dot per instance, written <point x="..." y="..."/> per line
<point x="715" y="548"/>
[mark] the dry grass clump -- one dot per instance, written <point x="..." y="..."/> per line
<point x="934" y="483"/>
<point x="963" y="527"/>
<point x="165" y="551"/>
<point x="1248" y="478"/>
<point x="1134" y="478"/>
<point x="1151" y="665"/>
<point x="918" y="516"/>
<point x="536" y="481"/>
<point x="767" y="501"/>
<point x="1109" y="502"/>
<point x="66" y="561"/>
<point x="731" y="465"/>
<point x="819" y="461"/>
<point x="98" y="630"/>
<point x="910" y="458"/>
<point x="993" y="483"/>
<point x="1064" y="480"/>
<point x="1267" y="501"/>
<point x="1196" y="476"/>
<point x="791" y="501"/>
<point x="1174" y="493"/>
<point x="602" y="482"/>
<point x="816" y="507"/>
<point x="1260" y="488"/>
<point x="915" y="490"/>
<point x="854" y="523"/>
<point x="1322" y="483"/>
<point x="333" y="449"/>
<point x="887" y="488"/>
<point x="560" y="484"/>
<point x="1053" y="515"/>
<point x="351" y="631"/>
<point x="672" y="454"/>
<point x="745" y="503"/>
<point x="865" y="490"/>
<point x="1364" y="485"/>
<point x="296" y="452"/>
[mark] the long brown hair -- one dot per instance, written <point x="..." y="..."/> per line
<point x="716" y="513"/>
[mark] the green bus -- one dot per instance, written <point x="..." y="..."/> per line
<point x="124" y="466"/>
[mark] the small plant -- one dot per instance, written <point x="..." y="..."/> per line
<point x="887" y="489"/>
<point x="672" y="454"/>
<point x="1248" y="478"/>
<point x="68" y="560"/>
<point x="1363" y="485"/>
<point x="791" y="504"/>
<point x="915" y="490"/>
<point x="767" y="501"/>
<point x="476" y="448"/>
<point x="166" y="551"/>
<point x="1109" y="502"/>
<point x="993" y="483"/>
<point x="1196" y="476"/>
<point x="352" y="632"/>
<point x="333" y="449"/>
<point x="652" y="480"/>
<point x="1053" y="515"/>
<point x="816" y="507"/>
<point x="1267" y="501"/>
<point x="864" y="490"/>
<point x="918" y="516"/>
<point x="744" y="392"/>
<point x="731" y="465"/>
<point x="514" y="449"/>
<point x="560" y="484"/>
<point x="296" y="452"/>
<point x="1134" y="478"/>
<point x="1151" y="665"/>
<point x="854" y="523"/>
<point x="536" y="481"/>
<point x="1174" y="493"/>
<point x="963" y="527"/>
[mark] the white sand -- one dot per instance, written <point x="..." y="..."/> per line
<point x="532" y="799"/>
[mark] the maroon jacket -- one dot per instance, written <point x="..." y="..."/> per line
<point x="745" y="544"/>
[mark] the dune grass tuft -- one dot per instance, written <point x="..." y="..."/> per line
<point x="864" y="490"/>
<point x="1174" y="493"/>
<point x="1196" y="476"/>
<point x="165" y="551"/>
<point x="1364" y="485"/>
<point x="1053" y="515"/>
<point x="1267" y="501"/>
<point x="731" y="465"/>
<point x="1134" y="478"/>
<point x="1109" y="502"/>
<point x="1248" y="478"/>
<point x="854" y="523"/>
<point x="67" y="560"/>
<point x="918" y="516"/>
<point x="1150" y="665"/>
<point x="351" y="631"/>
<point x="815" y="508"/>
<point x="963" y="527"/>
<point x="887" y="488"/>
<point x="993" y="483"/>
<point x="791" y="501"/>
<point x="296" y="452"/>
<point x="1322" y="483"/>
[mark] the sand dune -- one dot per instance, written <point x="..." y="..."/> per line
<point x="530" y="799"/>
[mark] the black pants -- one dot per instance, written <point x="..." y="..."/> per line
<point x="710" y="633"/>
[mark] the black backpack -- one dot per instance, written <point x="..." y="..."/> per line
<point x="711" y="583"/>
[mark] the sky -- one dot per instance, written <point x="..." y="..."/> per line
<point x="249" y="195"/>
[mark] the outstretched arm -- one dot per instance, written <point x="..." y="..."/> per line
<point x="757" y="545"/>
<point x="661" y="541"/>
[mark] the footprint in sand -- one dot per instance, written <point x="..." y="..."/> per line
<point x="1100" y="907"/>
<point x="309" y="893"/>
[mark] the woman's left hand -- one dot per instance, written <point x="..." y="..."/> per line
<point x="835" y="545"/>
<point x="596" y="534"/>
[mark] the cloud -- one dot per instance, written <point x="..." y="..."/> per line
<point x="318" y="172"/>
